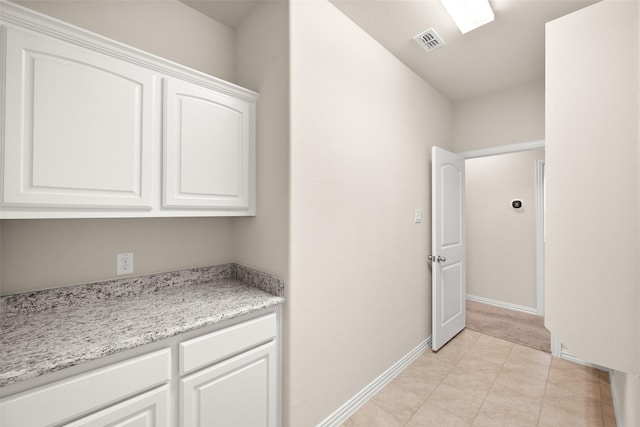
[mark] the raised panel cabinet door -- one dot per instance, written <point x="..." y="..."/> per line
<point x="208" y="148"/>
<point x="150" y="409"/>
<point x="68" y="399"/>
<point x="238" y="392"/>
<point x="78" y="126"/>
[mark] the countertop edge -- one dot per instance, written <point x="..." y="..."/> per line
<point x="232" y="282"/>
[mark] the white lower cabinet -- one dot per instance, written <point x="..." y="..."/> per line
<point x="79" y="126"/>
<point x="66" y="400"/>
<point x="230" y="376"/>
<point x="238" y="392"/>
<point x="226" y="376"/>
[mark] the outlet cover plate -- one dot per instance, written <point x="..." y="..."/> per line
<point x="124" y="263"/>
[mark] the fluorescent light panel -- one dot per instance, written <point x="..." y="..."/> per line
<point x="469" y="14"/>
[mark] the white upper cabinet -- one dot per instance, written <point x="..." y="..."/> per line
<point x="207" y="148"/>
<point x="79" y="126"/>
<point x="94" y="128"/>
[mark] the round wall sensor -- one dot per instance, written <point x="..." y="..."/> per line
<point x="516" y="203"/>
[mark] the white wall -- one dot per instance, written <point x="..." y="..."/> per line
<point x="593" y="202"/>
<point x="37" y="254"/>
<point x="361" y="129"/>
<point x="501" y="240"/>
<point x="504" y="117"/>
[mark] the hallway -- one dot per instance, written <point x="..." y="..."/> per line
<point x="510" y="325"/>
<point x="479" y="380"/>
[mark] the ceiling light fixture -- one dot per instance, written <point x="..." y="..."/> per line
<point x="469" y="14"/>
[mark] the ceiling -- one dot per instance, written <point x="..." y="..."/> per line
<point x="229" y="12"/>
<point x="506" y="52"/>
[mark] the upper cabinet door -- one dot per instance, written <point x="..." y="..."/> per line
<point x="208" y="149"/>
<point x="94" y="128"/>
<point x="79" y="127"/>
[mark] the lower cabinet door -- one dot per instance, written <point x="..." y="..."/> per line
<point x="239" y="392"/>
<point x="150" y="409"/>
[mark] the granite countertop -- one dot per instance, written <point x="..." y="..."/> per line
<point x="43" y="332"/>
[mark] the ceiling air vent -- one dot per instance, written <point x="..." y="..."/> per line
<point x="429" y="40"/>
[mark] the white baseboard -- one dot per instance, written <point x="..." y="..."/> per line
<point x="357" y="401"/>
<point x="556" y="346"/>
<point x="567" y="355"/>
<point x="502" y="304"/>
<point x="559" y="350"/>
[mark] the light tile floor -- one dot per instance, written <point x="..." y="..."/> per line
<point x="479" y="380"/>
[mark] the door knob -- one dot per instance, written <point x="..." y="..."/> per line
<point x="432" y="258"/>
<point x="441" y="259"/>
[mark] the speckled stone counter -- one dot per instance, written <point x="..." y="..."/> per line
<point x="45" y="331"/>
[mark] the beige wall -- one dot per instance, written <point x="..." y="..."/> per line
<point x="362" y="127"/>
<point x="37" y="254"/>
<point x="509" y="116"/>
<point x="592" y="136"/>
<point x="501" y="240"/>
<point x="166" y="28"/>
<point x="263" y="241"/>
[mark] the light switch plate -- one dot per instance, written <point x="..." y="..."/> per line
<point x="417" y="216"/>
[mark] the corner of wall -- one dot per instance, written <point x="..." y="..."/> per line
<point x="262" y="241"/>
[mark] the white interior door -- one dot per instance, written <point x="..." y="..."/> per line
<point x="448" y="246"/>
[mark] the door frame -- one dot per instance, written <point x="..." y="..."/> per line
<point x="540" y="239"/>
<point x="540" y="234"/>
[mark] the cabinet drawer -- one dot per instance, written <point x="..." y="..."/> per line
<point x="85" y="393"/>
<point x="207" y="349"/>
<point x="148" y="409"/>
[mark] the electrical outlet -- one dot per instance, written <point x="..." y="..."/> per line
<point x="124" y="263"/>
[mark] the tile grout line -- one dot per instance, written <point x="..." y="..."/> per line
<point x="390" y="413"/>
<point x="457" y="365"/>
<point x="544" y="393"/>
<point x="601" y="399"/>
<point x="429" y="395"/>
<point x="493" y="383"/>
